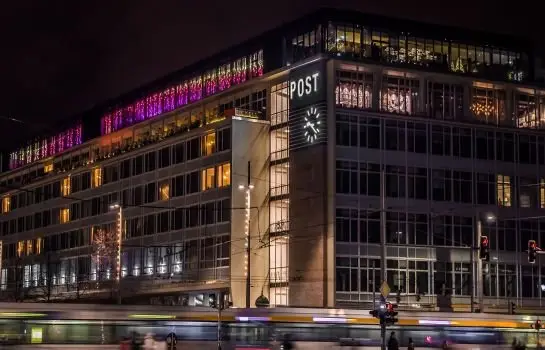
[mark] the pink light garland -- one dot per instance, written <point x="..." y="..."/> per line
<point x="46" y="147"/>
<point x="189" y="91"/>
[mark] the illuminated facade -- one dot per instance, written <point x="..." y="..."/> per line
<point x="374" y="155"/>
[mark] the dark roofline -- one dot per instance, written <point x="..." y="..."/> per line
<point x="299" y="25"/>
<point x="320" y="16"/>
<point x="424" y="29"/>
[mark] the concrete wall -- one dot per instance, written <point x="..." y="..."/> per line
<point x="250" y="143"/>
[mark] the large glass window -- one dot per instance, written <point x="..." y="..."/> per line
<point x="224" y="175"/>
<point x="279" y="104"/>
<point x="280" y="179"/>
<point x="488" y="105"/>
<point x="399" y="95"/>
<point x="354" y="89"/>
<point x="96" y="177"/>
<point x="209" y="144"/>
<point x="504" y="190"/>
<point x="208" y="178"/>
<point x="279" y="143"/>
<point x="445" y="101"/>
<point x="528" y="109"/>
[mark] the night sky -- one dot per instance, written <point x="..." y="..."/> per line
<point x="59" y="58"/>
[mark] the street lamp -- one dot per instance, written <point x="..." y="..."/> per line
<point x="247" y="189"/>
<point x="477" y="278"/>
<point x="119" y="238"/>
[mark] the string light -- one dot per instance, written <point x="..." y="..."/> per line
<point x="189" y="91"/>
<point x="480" y="108"/>
<point x="46" y="147"/>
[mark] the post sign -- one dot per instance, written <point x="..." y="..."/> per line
<point x="307" y="85"/>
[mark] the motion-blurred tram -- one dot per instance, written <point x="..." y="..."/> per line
<point x="35" y="323"/>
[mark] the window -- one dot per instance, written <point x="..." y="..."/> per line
<point x="209" y="144"/>
<point x="224" y="139"/>
<point x="96" y="177"/>
<point x="64" y="215"/>
<point x="542" y="193"/>
<point x="488" y="105"/>
<point x="48" y="168"/>
<point x="20" y="248"/>
<point x="164" y="190"/>
<point x="6" y="204"/>
<point x="279" y="104"/>
<point x="65" y="186"/>
<point x="445" y="101"/>
<point x="224" y="175"/>
<point x="354" y="89"/>
<point x="503" y="186"/>
<point x="208" y="178"/>
<point x="528" y="109"/>
<point x="399" y="95"/>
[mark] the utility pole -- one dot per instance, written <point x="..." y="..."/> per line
<point x="472" y="264"/>
<point x="247" y="189"/>
<point x="248" y="240"/>
<point x="384" y="277"/>
<point x="479" y="274"/>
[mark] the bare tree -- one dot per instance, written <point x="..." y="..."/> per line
<point x="105" y="247"/>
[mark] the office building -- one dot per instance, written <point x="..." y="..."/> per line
<point x="346" y="149"/>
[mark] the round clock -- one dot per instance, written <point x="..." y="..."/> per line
<point x="311" y="125"/>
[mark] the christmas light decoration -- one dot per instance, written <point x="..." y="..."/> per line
<point x="189" y="91"/>
<point x="104" y="249"/>
<point x="353" y="95"/>
<point x="46" y="147"/>
<point x="397" y="101"/>
<point x="482" y="109"/>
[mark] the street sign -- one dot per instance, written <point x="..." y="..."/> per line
<point x="384" y="289"/>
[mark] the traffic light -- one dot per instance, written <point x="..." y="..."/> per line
<point x="484" y="249"/>
<point x="512" y="308"/>
<point x="390" y="316"/>
<point x="212" y="301"/>
<point x="532" y="251"/>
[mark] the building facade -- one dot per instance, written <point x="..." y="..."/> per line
<point x="322" y="158"/>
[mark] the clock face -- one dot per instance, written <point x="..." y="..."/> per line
<point x="312" y="125"/>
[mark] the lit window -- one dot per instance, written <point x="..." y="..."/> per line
<point x="65" y="186"/>
<point x="503" y="186"/>
<point x="208" y="179"/>
<point x="164" y="191"/>
<point x="224" y="175"/>
<point x="38" y="246"/>
<point x="29" y="247"/>
<point x="209" y="144"/>
<point x="48" y="168"/>
<point x="542" y="193"/>
<point x="64" y="215"/>
<point x="20" y="248"/>
<point x="96" y="177"/>
<point x="6" y="204"/>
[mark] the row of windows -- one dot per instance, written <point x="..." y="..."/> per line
<point x="440" y="185"/>
<point x="215" y="141"/>
<point x="364" y="226"/>
<point x="422" y="277"/>
<point x="168" y="260"/>
<point x="442" y="140"/>
<point x="192" y="216"/>
<point x="362" y="42"/>
<point x="184" y="184"/>
<point x="441" y="101"/>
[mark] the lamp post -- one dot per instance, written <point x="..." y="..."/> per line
<point x="119" y="239"/>
<point x="247" y="259"/>
<point x="477" y="278"/>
